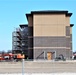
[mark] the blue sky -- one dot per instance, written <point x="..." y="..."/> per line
<point x="12" y="13"/>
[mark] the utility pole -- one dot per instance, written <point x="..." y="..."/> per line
<point x="22" y="66"/>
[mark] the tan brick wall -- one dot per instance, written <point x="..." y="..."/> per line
<point x="49" y="30"/>
<point x="49" y="19"/>
<point x="67" y="20"/>
<point x="50" y="25"/>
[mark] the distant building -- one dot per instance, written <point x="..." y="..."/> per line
<point x="49" y="35"/>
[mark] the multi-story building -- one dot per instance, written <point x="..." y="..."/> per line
<point x="16" y="41"/>
<point x="24" y="40"/>
<point x="20" y="40"/>
<point x="50" y="34"/>
<point x="47" y="35"/>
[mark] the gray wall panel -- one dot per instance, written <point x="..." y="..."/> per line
<point x="49" y="42"/>
<point x="37" y="52"/>
<point x="67" y="30"/>
<point x="68" y="42"/>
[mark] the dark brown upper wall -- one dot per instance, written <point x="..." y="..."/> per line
<point x="30" y="19"/>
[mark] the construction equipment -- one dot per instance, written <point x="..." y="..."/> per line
<point x="19" y="57"/>
<point x="7" y="56"/>
<point x="60" y="57"/>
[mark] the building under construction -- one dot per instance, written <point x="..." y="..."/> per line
<point x="20" y="40"/>
<point x="48" y="35"/>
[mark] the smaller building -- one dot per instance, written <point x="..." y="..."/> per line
<point x="20" y="40"/>
<point x="16" y="41"/>
<point x="24" y="39"/>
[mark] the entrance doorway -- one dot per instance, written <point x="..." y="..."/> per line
<point x="49" y="55"/>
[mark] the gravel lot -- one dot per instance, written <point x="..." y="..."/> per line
<point x="40" y="67"/>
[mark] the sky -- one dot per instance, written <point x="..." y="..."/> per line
<point x="12" y="14"/>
